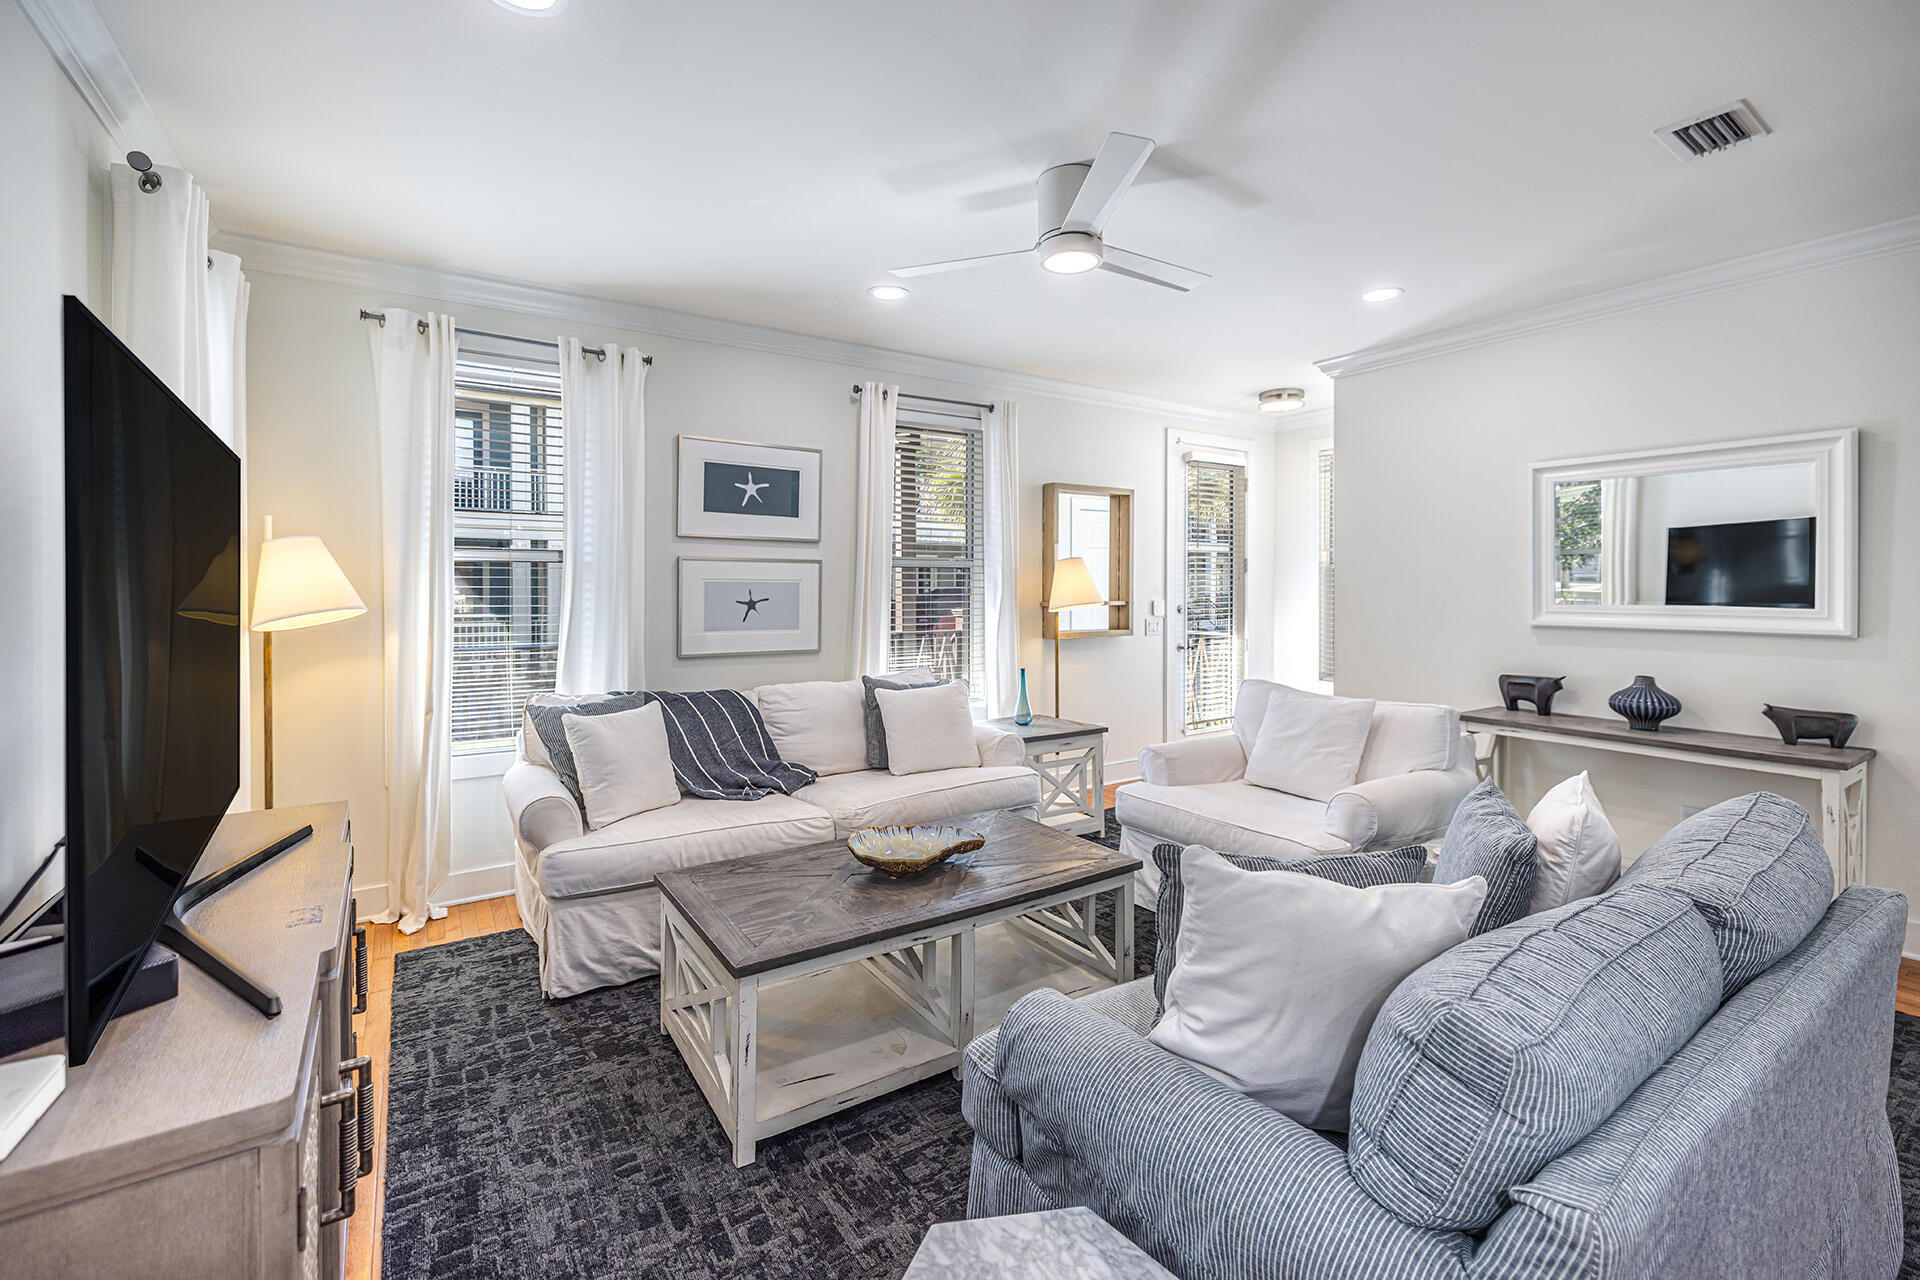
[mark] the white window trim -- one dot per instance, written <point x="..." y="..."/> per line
<point x="1238" y="451"/>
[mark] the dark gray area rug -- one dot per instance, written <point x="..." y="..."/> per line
<point x="565" y="1138"/>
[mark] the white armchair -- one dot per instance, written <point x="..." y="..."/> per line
<point x="1417" y="768"/>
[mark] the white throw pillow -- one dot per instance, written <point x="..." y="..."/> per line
<point x="1407" y="736"/>
<point x="1309" y="744"/>
<point x="927" y="729"/>
<point x="1278" y="975"/>
<point x="818" y="723"/>
<point x="1579" y="852"/>
<point x="623" y="763"/>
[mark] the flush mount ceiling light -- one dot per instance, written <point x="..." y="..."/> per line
<point x="1387" y="294"/>
<point x="887" y="292"/>
<point x="1282" y="400"/>
<point x="1068" y="253"/>
<point x="533" y="8"/>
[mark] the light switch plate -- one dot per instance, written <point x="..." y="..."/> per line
<point x="1155" y="625"/>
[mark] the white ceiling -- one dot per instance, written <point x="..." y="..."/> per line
<point x="767" y="160"/>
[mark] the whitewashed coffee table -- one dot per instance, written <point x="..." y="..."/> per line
<point x="800" y="983"/>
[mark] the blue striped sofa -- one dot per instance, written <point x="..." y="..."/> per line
<point x="1734" y="1126"/>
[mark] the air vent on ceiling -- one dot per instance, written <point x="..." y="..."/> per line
<point x="1717" y="130"/>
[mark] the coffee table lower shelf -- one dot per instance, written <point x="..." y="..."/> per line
<point x="776" y="1050"/>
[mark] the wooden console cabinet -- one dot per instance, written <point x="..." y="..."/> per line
<point x="203" y="1139"/>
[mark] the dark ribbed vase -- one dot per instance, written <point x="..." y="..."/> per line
<point x="1644" y="704"/>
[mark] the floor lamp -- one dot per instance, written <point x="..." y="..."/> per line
<point x="298" y="585"/>
<point x="1072" y="588"/>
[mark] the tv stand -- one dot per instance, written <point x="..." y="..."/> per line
<point x="190" y="946"/>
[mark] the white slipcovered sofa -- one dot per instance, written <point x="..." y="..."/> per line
<point x="1417" y="767"/>
<point x="588" y="897"/>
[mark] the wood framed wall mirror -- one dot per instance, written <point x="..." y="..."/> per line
<point x="1095" y="523"/>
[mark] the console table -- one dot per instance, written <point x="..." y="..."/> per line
<point x="202" y="1139"/>
<point x="1841" y="772"/>
<point x="1071" y="758"/>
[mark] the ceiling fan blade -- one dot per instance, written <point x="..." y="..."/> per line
<point x="1139" y="266"/>
<point x="957" y="264"/>
<point x="1114" y="170"/>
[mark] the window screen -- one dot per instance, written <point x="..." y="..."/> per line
<point x="938" y="607"/>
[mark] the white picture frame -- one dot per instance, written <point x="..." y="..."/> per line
<point x="786" y="476"/>
<point x="1834" y="459"/>
<point x="781" y="612"/>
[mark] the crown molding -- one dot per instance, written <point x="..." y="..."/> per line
<point x="334" y="267"/>
<point x="77" y="37"/>
<point x="1866" y="244"/>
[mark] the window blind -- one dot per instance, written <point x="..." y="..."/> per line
<point x="938" y="606"/>
<point x="1214" y="610"/>
<point x="1323" y="522"/>
<point x="508" y="470"/>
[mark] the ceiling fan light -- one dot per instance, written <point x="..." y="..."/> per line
<point x="1282" y="400"/>
<point x="1069" y="253"/>
<point x="887" y="292"/>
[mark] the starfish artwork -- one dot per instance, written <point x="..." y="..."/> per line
<point x="752" y="605"/>
<point x="752" y="490"/>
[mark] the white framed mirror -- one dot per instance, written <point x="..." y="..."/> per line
<point x="1749" y="535"/>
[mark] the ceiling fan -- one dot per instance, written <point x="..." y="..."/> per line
<point x="1075" y="202"/>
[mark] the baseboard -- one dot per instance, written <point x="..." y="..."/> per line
<point x="1129" y="771"/>
<point x="475" y="884"/>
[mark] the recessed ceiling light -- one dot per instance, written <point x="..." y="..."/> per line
<point x="1387" y="294"/>
<point x="1282" y="400"/>
<point x="533" y="8"/>
<point x="887" y="292"/>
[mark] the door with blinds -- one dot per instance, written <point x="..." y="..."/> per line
<point x="1212" y="648"/>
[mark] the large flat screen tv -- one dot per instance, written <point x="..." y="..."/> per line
<point x="1757" y="563"/>
<point x="153" y="660"/>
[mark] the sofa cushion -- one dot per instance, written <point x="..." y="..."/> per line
<point x="1250" y="710"/>
<point x="623" y="764"/>
<point x="1579" y="850"/>
<point x="1503" y="1053"/>
<point x="876" y="730"/>
<point x="1409" y="736"/>
<point x="628" y="854"/>
<point x="1280" y="976"/>
<point x="872" y="798"/>
<point x="818" y="723"/>
<point x="1488" y="838"/>
<point x="1360" y="870"/>
<point x="1309" y="743"/>
<point x="1757" y="871"/>
<point x="928" y="729"/>
<point x="1229" y="815"/>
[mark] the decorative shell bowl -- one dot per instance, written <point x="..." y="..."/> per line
<point x="901" y="851"/>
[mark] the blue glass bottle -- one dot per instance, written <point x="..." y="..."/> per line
<point x="1022" y="710"/>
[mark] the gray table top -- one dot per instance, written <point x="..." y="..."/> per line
<point x="1706" y="742"/>
<point x="1057" y="1244"/>
<point x="1044" y="727"/>
<point x="771" y="910"/>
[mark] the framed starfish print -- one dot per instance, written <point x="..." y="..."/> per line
<point x="748" y="606"/>
<point x="732" y="489"/>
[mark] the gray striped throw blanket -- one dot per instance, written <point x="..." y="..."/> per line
<point x="718" y="743"/>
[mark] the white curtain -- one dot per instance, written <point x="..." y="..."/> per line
<point x="873" y="528"/>
<point x="182" y="308"/>
<point x="603" y="407"/>
<point x="1619" y="540"/>
<point x="413" y="404"/>
<point x="1003" y="559"/>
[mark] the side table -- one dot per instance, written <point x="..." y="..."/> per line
<point x="1071" y="758"/>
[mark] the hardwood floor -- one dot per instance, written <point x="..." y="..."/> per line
<point x="471" y="920"/>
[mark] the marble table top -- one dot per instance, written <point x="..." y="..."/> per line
<point x="1058" y="1244"/>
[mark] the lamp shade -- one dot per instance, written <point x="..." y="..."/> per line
<point x="1072" y="586"/>
<point x="299" y="585"/>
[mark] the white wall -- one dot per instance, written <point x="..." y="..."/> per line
<point x="53" y="155"/>
<point x="1433" y="529"/>
<point x="313" y="467"/>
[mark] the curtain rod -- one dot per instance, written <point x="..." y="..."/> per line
<point x="597" y="352"/>
<point x="908" y="395"/>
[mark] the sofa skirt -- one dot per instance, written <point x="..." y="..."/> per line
<point x="602" y="940"/>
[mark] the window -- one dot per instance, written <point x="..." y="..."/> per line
<point x="507" y="544"/>
<point x="938" y="606"/>
<point x="1323" y="538"/>
<point x="1214" y="608"/>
